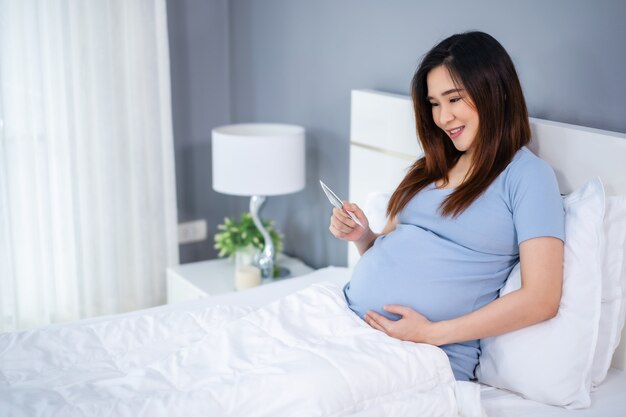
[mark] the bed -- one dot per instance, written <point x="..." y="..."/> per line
<point x="163" y="361"/>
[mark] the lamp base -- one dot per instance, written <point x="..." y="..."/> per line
<point x="282" y="273"/>
<point x="265" y="259"/>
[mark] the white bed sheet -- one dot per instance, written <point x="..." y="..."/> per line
<point x="305" y="352"/>
<point x="609" y="400"/>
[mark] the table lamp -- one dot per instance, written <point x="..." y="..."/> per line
<point x="259" y="160"/>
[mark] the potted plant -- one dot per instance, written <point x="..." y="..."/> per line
<point x="234" y="235"/>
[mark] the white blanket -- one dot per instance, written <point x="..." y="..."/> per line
<point x="304" y="355"/>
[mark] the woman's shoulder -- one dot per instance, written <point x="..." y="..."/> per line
<point x="525" y="156"/>
<point x="527" y="172"/>
<point x="525" y="164"/>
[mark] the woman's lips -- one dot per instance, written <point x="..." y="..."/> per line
<point x="456" y="132"/>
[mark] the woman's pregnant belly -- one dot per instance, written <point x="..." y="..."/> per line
<point x="442" y="280"/>
<point x="416" y="268"/>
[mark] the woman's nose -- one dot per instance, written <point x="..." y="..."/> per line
<point x="445" y="116"/>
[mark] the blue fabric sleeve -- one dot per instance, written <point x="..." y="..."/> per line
<point x="537" y="205"/>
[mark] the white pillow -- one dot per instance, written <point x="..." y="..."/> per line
<point x="613" y="287"/>
<point x="375" y="210"/>
<point x="551" y="362"/>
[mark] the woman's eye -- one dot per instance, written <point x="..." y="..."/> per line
<point x="433" y="104"/>
<point x="455" y="99"/>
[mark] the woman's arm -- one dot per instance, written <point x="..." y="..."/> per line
<point x="541" y="262"/>
<point x="537" y="300"/>
<point x="343" y="227"/>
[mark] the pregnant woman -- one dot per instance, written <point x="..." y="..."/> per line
<point x="477" y="203"/>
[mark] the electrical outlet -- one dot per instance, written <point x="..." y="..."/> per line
<point x="190" y="232"/>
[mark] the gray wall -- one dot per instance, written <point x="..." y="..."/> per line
<point x="295" y="61"/>
<point x="199" y="62"/>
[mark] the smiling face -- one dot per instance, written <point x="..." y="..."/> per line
<point x="452" y="109"/>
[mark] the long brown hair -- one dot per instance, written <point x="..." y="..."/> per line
<point x="478" y="63"/>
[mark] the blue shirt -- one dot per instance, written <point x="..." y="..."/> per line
<point x="446" y="267"/>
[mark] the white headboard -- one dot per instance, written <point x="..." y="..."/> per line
<point x="383" y="144"/>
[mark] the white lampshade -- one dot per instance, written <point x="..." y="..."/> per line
<point x="258" y="159"/>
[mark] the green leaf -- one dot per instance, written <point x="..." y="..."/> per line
<point x="233" y="234"/>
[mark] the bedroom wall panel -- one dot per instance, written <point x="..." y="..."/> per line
<point x="200" y="71"/>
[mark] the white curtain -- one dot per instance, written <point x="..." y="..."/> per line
<point x="87" y="190"/>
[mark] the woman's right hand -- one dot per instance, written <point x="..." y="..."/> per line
<point x="343" y="227"/>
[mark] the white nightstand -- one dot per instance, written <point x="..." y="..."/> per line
<point x="216" y="276"/>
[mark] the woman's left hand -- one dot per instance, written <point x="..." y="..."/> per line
<point x="412" y="326"/>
